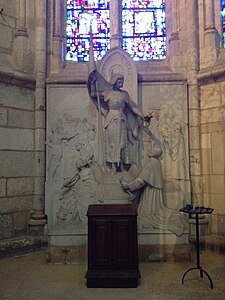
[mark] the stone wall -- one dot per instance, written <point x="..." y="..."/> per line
<point x="212" y="113"/>
<point x="16" y="158"/>
<point x="17" y="98"/>
<point x="194" y="56"/>
<point x="213" y="152"/>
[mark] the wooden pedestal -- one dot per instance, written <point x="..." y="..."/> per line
<point x="112" y="246"/>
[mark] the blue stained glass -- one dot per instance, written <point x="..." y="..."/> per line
<point x="144" y="29"/>
<point x="81" y="16"/>
<point x="222" y="11"/>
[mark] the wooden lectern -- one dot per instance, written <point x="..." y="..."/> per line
<point x="112" y="246"/>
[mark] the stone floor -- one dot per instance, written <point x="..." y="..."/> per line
<point x="29" y="277"/>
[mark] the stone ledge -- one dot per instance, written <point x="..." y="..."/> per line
<point x="22" y="245"/>
<point x="21" y="79"/>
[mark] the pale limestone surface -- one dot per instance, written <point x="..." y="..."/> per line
<point x="195" y="57"/>
<point x="72" y="137"/>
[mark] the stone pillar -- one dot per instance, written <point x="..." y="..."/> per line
<point x="174" y="39"/>
<point x="209" y="14"/>
<point x="21" y="55"/>
<point x="212" y="39"/>
<point x="38" y="219"/>
<point x="115" y="23"/>
<point x="57" y="58"/>
<point x="193" y="99"/>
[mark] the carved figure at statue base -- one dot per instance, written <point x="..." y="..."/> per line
<point x="80" y="191"/>
<point x="152" y="211"/>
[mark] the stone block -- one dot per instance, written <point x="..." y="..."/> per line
<point x="203" y="226"/>
<point x="223" y="93"/>
<point x="67" y="255"/>
<point x="156" y="253"/>
<point x="20" y="186"/>
<point x="39" y="160"/>
<point x="5" y="226"/>
<point x="13" y="96"/>
<point x="16" y="139"/>
<point x="21" y="118"/>
<point x="214" y="184"/>
<point x="215" y="201"/>
<point x="213" y="224"/>
<point x="221" y="224"/>
<point x="38" y="202"/>
<point x="6" y="36"/>
<point x="16" y="164"/>
<point x="193" y="100"/>
<point x="40" y="119"/>
<point x="20" y="220"/>
<point x="195" y="168"/>
<point x="196" y="184"/>
<point x="9" y="7"/>
<point x="2" y="187"/>
<point x="15" y="204"/>
<point x="213" y="115"/>
<point x="40" y="139"/>
<point x="218" y="152"/>
<point x="210" y="96"/>
<point x="193" y="117"/>
<point x="206" y="141"/>
<point x="194" y="138"/>
<point x="206" y="161"/>
<point x="39" y="185"/>
<point x="213" y="127"/>
<point x="3" y="116"/>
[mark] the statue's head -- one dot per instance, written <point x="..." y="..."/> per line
<point x="155" y="152"/>
<point x="115" y="77"/>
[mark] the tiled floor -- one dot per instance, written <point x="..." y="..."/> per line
<point x="29" y="277"/>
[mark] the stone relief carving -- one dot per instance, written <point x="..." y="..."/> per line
<point x="152" y="210"/>
<point x="71" y="156"/>
<point x="173" y="142"/>
<point x="79" y="174"/>
<point x="64" y="139"/>
<point x="81" y="190"/>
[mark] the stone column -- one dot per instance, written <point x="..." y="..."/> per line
<point x="193" y="99"/>
<point x="57" y="58"/>
<point x="21" y="55"/>
<point x="174" y="39"/>
<point x="38" y="219"/>
<point x="115" y="23"/>
<point x="212" y="39"/>
<point x="209" y="14"/>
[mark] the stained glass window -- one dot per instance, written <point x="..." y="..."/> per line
<point x="223" y="22"/>
<point x="81" y="16"/>
<point x="144" y="30"/>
